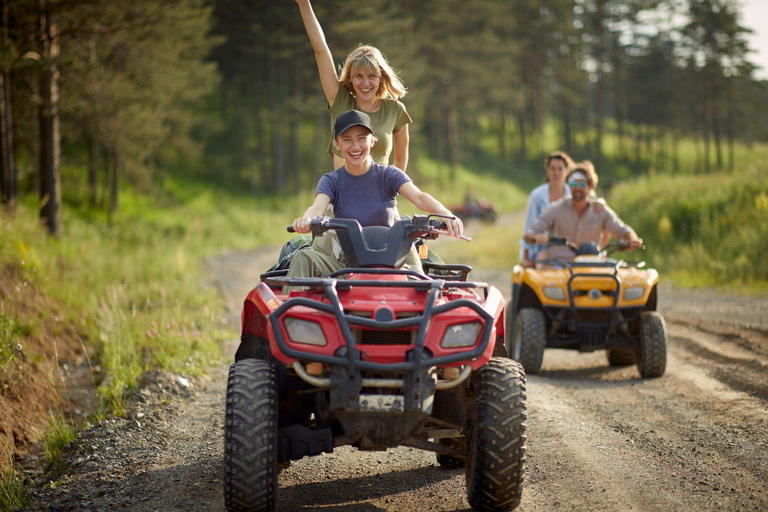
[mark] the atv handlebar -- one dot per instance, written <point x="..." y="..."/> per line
<point x="621" y="245"/>
<point x="431" y="224"/>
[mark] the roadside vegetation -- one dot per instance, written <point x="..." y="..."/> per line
<point x="702" y="230"/>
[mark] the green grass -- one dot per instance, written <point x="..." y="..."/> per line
<point x="58" y="436"/>
<point x="13" y="493"/>
<point x="702" y="230"/>
<point x="135" y="290"/>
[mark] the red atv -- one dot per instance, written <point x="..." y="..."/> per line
<point x="478" y="209"/>
<point x="375" y="356"/>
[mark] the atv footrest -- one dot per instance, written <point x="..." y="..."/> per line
<point x="297" y="441"/>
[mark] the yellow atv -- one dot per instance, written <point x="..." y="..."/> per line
<point x="590" y="303"/>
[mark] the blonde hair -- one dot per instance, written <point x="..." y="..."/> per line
<point x="371" y="61"/>
<point x="587" y="168"/>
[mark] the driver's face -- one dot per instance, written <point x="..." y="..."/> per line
<point x="579" y="193"/>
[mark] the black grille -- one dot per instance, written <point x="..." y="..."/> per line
<point x="385" y="337"/>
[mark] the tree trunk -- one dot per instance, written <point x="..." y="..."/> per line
<point x="502" y="135"/>
<point x="93" y="170"/>
<point x="321" y="163"/>
<point x="707" y="130"/>
<point x="114" y="183"/>
<point x="8" y="179"/>
<point x="294" y="142"/>
<point x="523" y="156"/>
<point x="50" y="177"/>
<point x="567" y="132"/>
<point x="731" y="121"/>
<point x="452" y="127"/>
<point x="7" y="167"/>
<point x="716" y="129"/>
<point x="262" y="155"/>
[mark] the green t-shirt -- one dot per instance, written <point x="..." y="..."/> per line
<point x="389" y="119"/>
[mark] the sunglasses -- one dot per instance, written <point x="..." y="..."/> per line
<point x="577" y="183"/>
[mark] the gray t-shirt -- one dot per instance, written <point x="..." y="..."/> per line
<point x="369" y="198"/>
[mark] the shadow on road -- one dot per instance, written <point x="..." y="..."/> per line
<point x="345" y="494"/>
<point x="598" y="377"/>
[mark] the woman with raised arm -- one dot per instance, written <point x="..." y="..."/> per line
<point x="367" y="84"/>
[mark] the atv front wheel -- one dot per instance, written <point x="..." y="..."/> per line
<point x="496" y="455"/>
<point x="250" y="437"/>
<point x="529" y="337"/>
<point x="622" y="357"/>
<point x="653" y="345"/>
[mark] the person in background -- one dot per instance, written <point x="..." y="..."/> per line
<point x="556" y="166"/>
<point x="576" y="219"/>
<point x="367" y="84"/>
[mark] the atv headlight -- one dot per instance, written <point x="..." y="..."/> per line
<point x="304" y="331"/>
<point x="461" y="335"/>
<point x="554" y="293"/>
<point x="634" y="293"/>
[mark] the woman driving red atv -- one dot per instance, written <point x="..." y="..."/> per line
<point x="362" y="190"/>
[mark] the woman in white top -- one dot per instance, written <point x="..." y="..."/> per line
<point x="556" y="165"/>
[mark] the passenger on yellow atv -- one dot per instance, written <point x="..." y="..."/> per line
<point x="574" y="218"/>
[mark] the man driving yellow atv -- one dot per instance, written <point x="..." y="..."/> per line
<point x="576" y="220"/>
<point x="578" y="298"/>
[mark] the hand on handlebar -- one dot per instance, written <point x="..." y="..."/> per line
<point x="454" y="226"/>
<point x="301" y="225"/>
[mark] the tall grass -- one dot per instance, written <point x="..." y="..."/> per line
<point x="13" y="493"/>
<point x="58" y="436"/>
<point x="134" y="290"/>
<point x="703" y="229"/>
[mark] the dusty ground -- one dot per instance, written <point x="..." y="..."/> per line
<point x="599" y="438"/>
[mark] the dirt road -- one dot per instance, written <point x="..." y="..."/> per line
<point x="599" y="438"/>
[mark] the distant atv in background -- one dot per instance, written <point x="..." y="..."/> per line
<point x="375" y="356"/>
<point x="476" y="209"/>
<point x="591" y="303"/>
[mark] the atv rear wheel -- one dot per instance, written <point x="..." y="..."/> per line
<point x="250" y="437"/>
<point x="653" y="345"/>
<point x="496" y="455"/>
<point x="622" y="357"/>
<point x="529" y="337"/>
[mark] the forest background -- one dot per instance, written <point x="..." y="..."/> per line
<point x="149" y="135"/>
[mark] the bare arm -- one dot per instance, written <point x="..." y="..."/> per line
<point x="301" y="225"/>
<point x="328" y="77"/>
<point x="429" y="204"/>
<point x="401" y="140"/>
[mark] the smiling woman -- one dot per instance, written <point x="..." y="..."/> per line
<point x="362" y="190"/>
<point x="367" y="84"/>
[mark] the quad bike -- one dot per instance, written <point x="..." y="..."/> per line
<point x="479" y="209"/>
<point x="375" y="356"/>
<point x="591" y="303"/>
